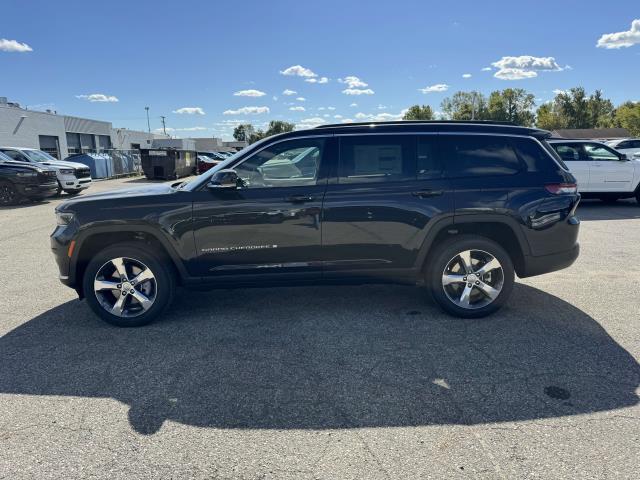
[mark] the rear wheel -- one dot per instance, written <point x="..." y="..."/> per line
<point x="127" y="285"/>
<point x="8" y="194"/>
<point x="470" y="277"/>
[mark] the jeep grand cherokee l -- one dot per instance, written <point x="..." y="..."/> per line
<point x="73" y="177"/>
<point x="22" y="181"/>
<point x="458" y="207"/>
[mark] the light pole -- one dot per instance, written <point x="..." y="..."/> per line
<point x="148" y="123"/>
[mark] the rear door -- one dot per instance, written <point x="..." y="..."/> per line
<point x="387" y="192"/>
<point x="609" y="172"/>
<point x="577" y="162"/>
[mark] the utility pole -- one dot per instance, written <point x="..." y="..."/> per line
<point x="148" y="123"/>
<point x="164" y="126"/>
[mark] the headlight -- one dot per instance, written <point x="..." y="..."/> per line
<point x="64" y="218"/>
<point x="66" y="171"/>
<point x="27" y="174"/>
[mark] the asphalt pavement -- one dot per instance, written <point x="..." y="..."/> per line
<point x="324" y="382"/>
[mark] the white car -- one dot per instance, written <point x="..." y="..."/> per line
<point x="72" y="177"/>
<point x="630" y="146"/>
<point x="601" y="171"/>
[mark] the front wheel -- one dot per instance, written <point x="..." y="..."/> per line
<point x="128" y="285"/>
<point x="8" y="194"/>
<point x="470" y="277"/>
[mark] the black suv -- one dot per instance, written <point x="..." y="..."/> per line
<point x="20" y="181"/>
<point x="458" y="207"/>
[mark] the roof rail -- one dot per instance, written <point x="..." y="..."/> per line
<point x="419" y="122"/>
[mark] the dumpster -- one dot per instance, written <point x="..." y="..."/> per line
<point x="168" y="164"/>
<point x="100" y="164"/>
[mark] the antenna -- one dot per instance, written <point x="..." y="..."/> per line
<point x="164" y="126"/>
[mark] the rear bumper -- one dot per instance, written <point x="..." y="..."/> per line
<point x="538" y="265"/>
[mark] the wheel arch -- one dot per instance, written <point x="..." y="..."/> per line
<point x="99" y="238"/>
<point x="499" y="228"/>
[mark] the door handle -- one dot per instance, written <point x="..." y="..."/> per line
<point x="299" y="198"/>
<point x="427" y="193"/>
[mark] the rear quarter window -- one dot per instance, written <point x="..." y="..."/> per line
<point x="534" y="156"/>
<point x="479" y="155"/>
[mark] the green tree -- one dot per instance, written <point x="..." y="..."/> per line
<point x="574" y="109"/>
<point x="419" y="112"/>
<point x="511" y="105"/>
<point x="278" y="126"/>
<point x="465" y="106"/>
<point x="243" y="132"/>
<point x="627" y="116"/>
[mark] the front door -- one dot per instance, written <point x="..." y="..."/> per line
<point x="270" y="225"/>
<point x="609" y="173"/>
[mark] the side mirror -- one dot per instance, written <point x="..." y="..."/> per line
<point x="226" y="179"/>
<point x="625" y="157"/>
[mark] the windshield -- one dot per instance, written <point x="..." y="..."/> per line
<point x="38" y="156"/>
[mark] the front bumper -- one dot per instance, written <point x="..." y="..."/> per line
<point x="71" y="182"/>
<point x="61" y="241"/>
<point x="37" y="190"/>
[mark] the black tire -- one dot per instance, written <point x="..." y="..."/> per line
<point x="72" y="193"/>
<point x="638" y="196"/>
<point x="160" y="265"/>
<point x="59" y="189"/>
<point x="440" y="258"/>
<point x="609" y="199"/>
<point x="8" y="194"/>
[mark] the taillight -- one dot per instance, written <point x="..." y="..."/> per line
<point x="562" y="188"/>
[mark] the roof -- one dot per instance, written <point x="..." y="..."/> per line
<point x="425" y="126"/>
<point x="587" y="133"/>
<point x="574" y="140"/>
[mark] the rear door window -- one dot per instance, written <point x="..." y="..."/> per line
<point x="479" y="155"/>
<point x="376" y="158"/>
<point x="428" y="157"/>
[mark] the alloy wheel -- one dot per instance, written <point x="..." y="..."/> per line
<point x="125" y="287"/>
<point x="7" y="195"/>
<point x="473" y="279"/>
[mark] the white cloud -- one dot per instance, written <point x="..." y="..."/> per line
<point x="301" y="99"/>
<point x="466" y="75"/>
<point x="353" y="82"/>
<point x="14" y="46"/>
<point x="289" y="92"/>
<point x="381" y="107"/>
<point x="486" y="69"/>
<point x="310" y="122"/>
<point x="298" y="71"/>
<point x="439" y="87"/>
<point x="247" y="111"/>
<point x="621" y="39"/>
<point x="347" y="120"/>
<point x="331" y="108"/>
<point x="189" y="111"/>
<point x="249" y="93"/>
<point x="358" y="91"/>
<point x="524" y="66"/>
<point x="557" y="91"/>
<point x="337" y="116"/>
<point x="320" y="80"/>
<point x="99" y="97"/>
<point x="326" y="115"/>
<point x="297" y="109"/>
<point x="353" y="104"/>
<point x="185" y="129"/>
<point x="380" y="117"/>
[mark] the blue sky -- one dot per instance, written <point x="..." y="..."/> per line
<point x="196" y="55"/>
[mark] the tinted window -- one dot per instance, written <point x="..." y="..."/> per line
<point x="532" y="154"/>
<point x="473" y="155"/>
<point x="429" y="165"/>
<point x="285" y="164"/>
<point x="626" y="144"/>
<point x="371" y="158"/>
<point x="15" y="155"/>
